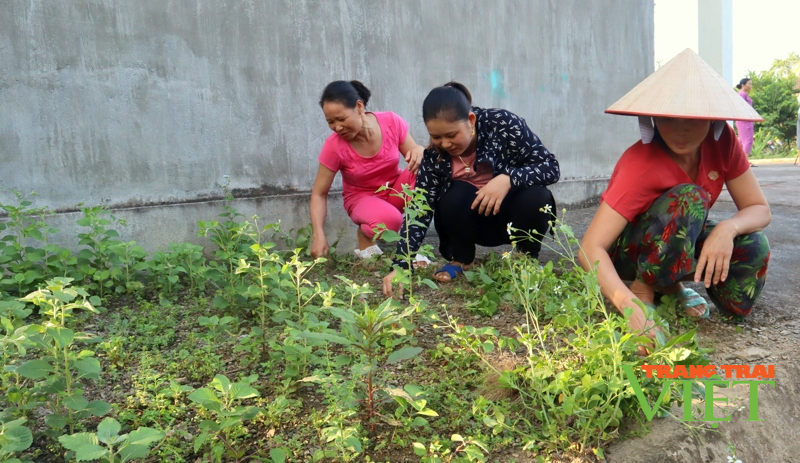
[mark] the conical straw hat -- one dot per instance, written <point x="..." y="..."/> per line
<point x="685" y="87"/>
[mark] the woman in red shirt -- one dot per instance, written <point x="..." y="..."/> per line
<point x="651" y="227"/>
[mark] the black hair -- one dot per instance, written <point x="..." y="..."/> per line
<point x="346" y="93"/>
<point x="452" y="102"/>
<point x="743" y="82"/>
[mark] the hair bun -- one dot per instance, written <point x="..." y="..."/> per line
<point x="362" y="90"/>
<point x="461" y="88"/>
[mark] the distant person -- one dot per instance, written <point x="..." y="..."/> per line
<point x="366" y="147"/>
<point x="652" y="226"/>
<point x="745" y="128"/>
<point x="485" y="169"/>
<point x="797" y="139"/>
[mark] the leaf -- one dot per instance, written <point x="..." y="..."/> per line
<point x="277" y="455"/>
<point x="221" y="383"/>
<point x="199" y="441"/>
<point x="133" y="451"/>
<point x="98" y="408"/>
<point x="345" y="315"/>
<point x="403" y="354"/>
<point x="397" y="392"/>
<point x="681" y="338"/>
<point x="144" y="436"/>
<point x="679" y="354"/>
<point x="240" y="391"/>
<point x="419" y="449"/>
<point x="55" y="421"/>
<point x="429" y="283"/>
<point x="488" y="346"/>
<point x="78" y="440"/>
<point x="62" y="336"/>
<point x="76" y="402"/>
<point x="220" y="302"/>
<point x="107" y="430"/>
<point x="354" y="443"/>
<point x="327" y="337"/>
<point x="88" y="368"/>
<point x="16" y="439"/>
<point x="90" y="452"/>
<point x="419" y="422"/>
<point x="206" y="398"/>
<point x="35" y="369"/>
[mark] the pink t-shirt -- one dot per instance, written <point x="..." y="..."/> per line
<point x="361" y="175"/>
<point x="478" y="175"/>
<point x="645" y="172"/>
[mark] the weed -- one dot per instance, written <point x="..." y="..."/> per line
<point x="219" y="434"/>
<point x="115" y="447"/>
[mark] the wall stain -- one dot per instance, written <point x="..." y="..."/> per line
<point x="496" y="81"/>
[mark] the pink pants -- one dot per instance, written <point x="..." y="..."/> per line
<point x="746" y="135"/>
<point x="370" y="210"/>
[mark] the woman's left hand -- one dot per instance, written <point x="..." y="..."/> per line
<point x="715" y="258"/>
<point x="414" y="158"/>
<point x="490" y="197"/>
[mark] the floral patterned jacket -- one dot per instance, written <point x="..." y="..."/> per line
<point x="504" y="141"/>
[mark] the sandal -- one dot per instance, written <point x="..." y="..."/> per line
<point x="452" y="270"/>
<point x="689" y="299"/>
<point x="421" y="261"/>
<point x="373" y="250"/>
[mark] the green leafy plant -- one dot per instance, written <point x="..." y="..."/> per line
<point x="97" y="260"/>
<point x="108" y="446"/>
<point x="14" y="438"/>
<point x="774" y="96"/>
<point x="129" y="261"/>
<point x="24" y="265"/>
<point x="182" y="265"/>
<point x="570" y="381"/>
<point x="220" y="399"/>
<point x="467" y="450"/>
<point x="373" y="335"/>
<point x="232" y="238"/>
<point x="415" y="207"/>
<point x="61" y="368"/>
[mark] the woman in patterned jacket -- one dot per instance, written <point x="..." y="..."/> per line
<point x="485" y="169"/>
<point x="652" y="226"/>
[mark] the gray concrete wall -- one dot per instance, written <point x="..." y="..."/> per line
<point x="149" y="104"/>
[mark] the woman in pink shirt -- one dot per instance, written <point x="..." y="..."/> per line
<point x="745" y="128"/>
<point x="366" y="148"/>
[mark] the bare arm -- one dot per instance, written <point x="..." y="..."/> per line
<point x="412" y="153"/>
<point x="603" y="231"/>
<point x="319" y="210"/>
<point x="753" y="216"/>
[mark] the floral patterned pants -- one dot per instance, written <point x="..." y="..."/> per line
<point x="661" y="247"/>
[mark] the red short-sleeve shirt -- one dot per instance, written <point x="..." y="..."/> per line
<point x="645" y="172"/>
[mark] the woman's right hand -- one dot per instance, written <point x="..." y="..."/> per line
<point x="388" y="291"/>
<point x="640" y="324"/>
<point x="319" y="247"/>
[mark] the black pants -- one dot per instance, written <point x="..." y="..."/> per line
<point x="461" y="228"/>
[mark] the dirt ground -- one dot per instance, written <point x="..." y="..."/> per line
<point x="773" y="326"/>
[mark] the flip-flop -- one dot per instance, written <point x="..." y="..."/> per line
<point x="452" y="271"/>
<point x="689" y="299"/>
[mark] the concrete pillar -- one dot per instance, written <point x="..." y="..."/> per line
<point x="715" y="35"/>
